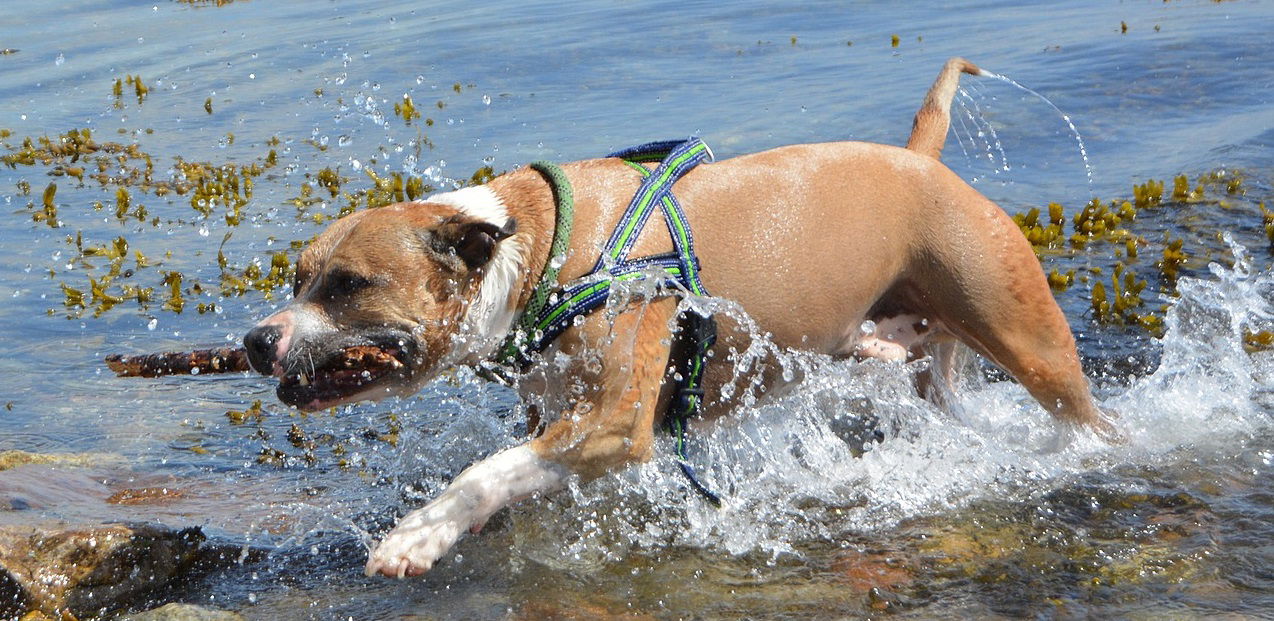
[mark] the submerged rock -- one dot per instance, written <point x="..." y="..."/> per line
<point x="84" y="571"/>
<point x="15" y="458"/>
<point x="184" y="612"/>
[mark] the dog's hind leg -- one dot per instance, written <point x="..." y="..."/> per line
<point x="979" y="275"/>
<point x="937" y="383"/>
<point x="929" y="128"/>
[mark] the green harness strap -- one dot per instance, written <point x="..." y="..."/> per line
<point x="542" y="319"/>
<point x="564" y="199"/>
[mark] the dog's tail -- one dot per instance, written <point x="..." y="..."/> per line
<point x="929" y="129"/>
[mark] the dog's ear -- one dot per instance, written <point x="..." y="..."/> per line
<point x="472" y="241"/>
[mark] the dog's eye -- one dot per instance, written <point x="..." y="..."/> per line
<point x="340" y="284"/>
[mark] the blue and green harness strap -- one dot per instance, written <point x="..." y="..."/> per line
<point x="553" y="307"/>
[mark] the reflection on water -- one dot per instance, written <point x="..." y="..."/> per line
<point x="987" y="509"/>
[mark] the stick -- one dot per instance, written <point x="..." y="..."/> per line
<point x="219" y="360"/>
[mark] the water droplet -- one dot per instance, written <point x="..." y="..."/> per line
<point x="344" y="140"/>
<point x="194" y="370"/>
<point x="420" y="79"/>
<point x="152" y="324"/>
<point x="867" y="327"/>
<point x="486" y="100"/>
<point x="59" y="60"/>
<point x="252" y="76"/>
<point x="357" y="165"/>
<point x="203" y="230"/>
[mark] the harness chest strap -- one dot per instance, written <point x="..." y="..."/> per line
<point x="553" y="307"/>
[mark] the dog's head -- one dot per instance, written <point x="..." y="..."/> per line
<point x="387" y="298"/>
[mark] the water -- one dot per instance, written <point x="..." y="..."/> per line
<point x="987" y="510"/>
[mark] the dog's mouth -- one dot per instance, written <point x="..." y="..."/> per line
<point x="348" y="373"/>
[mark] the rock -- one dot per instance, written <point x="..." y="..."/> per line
<point x="183" y="612"/>
<point x="13" y="459"/>
<point x="146" y="496"/>
<point x="85" y="571"/>
<point x="864" y="572"/>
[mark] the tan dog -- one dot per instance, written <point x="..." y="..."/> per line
<point x="811" y="240"/>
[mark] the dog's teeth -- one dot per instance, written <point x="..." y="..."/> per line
<point x="305" y="380"/>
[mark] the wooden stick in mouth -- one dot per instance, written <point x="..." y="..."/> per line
<point x="199" y="361"/>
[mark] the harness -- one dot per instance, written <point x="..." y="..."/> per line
<point x="553" y="308"/>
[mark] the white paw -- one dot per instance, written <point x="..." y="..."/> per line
<point x="414" y="545"/>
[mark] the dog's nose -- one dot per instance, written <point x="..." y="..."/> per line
<point x="261" y="343"/>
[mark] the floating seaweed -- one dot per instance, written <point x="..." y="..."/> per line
<point x="1258" y="341"/>
<point x="1101" y="220"/>
<point x="407" y="109"/>
<point x="1058" y="281"/>
<point x="1173" y="258"/>
<point x="1148" y="194"/>
<point x="254" y="412"/>
<point x="1042" y="235"/>
<point x="1121" y="305"/>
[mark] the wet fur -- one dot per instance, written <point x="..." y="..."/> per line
<point x="810" y="240"/>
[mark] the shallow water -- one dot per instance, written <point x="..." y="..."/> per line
<point x="991" y="511"/>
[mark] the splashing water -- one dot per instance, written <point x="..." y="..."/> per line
<point x="803" y="466"/>
<point x="982" y="131"/>
<point x="1083" y="151"/>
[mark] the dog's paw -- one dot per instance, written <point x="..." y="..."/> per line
<point x="1105" y="428"/>
<point x="413" y="547"/>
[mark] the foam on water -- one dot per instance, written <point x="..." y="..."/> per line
<point x="788" y="471"/>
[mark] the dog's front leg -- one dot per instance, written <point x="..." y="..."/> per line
<point x="425" y="534"/>
<point x="612" y="427"/>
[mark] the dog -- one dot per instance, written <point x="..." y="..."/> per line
<point x="846" y="249"/>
